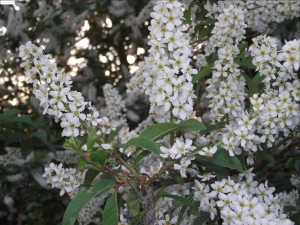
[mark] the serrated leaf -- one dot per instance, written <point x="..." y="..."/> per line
<point x="140" y="156"/>
<point x="113" y="133"/>
<point x="81" y="165"/>
<point x="177" y="177"/>
<point x="100" y="157"/>
<point x="158" y="131"/>
<point x="83" y="198"/>
<point x="133" y="204"/>
<point x="144" y="143"/>
<point x="242" y="47"/>
<point x="13" y="137"/>
<point x="16" y="119"/>
<point x="110" y="214"/>
<point x="26" y="147"/>
<point x="222" y="158"/>
<point x="179" y="199"/>
<point x="247" y="63"/>
<point x="89" y="177"/>
<point x="9" y="113"/>
<point x="91" y="141"/>
<point x="211" y="128"/>
<point x="191" y="125"/>
<point x="204" y="72"/>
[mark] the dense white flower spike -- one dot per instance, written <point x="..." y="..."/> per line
<point x="12" y="156"/>
<point x="166" y="74"/>
<point x="54" y="91"/>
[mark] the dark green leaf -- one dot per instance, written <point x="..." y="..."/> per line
<point x="211" y="128"/>
<point x="15" y="119"/>
<point x="140" y="156"/>
<point x="222" y="158"/>
<point x="247" y="63"/>
<point x="180" y="215"/>
<point x="209" y="21"/>
<point x="70" y="144"/>
<point x="220" y="171"/>
<point x="289" y="208"/>
<point x="81" y="165"/>
<point x="13" y="137"/>
<point x="196" y="29"/>
<point x="177" y="177"/>
<point x="89" y="177"/>
<point x="191" y="125"/>
<point x="257" y="79"/>
<point x="100" y="157"/>
<point x="82" y="199"/>
<point x="144" y="143"/>
<point x="179" y="199"/>
<point x="42" y="136"/>
<point x="187" y="14"/>
<point x="252" y="87"/>
<point x="113" y="133"/>
<point x="267" y="155"/>
<point x="204" y="72"/>
<point x="158" y="131"/>
<point x="212" y="57"/>
<point x="2" y="151"/>
<point x="201" y="217"/>
<point x="105" y="176"/>
<point x="133" y="204"/>
<point x="26" y="147"/>
<point x="242" y="47"/>
<point x="110" y="214"/>
<point x="9" y="113"/>
<point x="91" y="141"/>
<point x="200" y="15"/>
<point x="202" y="33"/>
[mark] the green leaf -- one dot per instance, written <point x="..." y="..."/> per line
<point x="247" y="63"/>
<point x="252" y="87"/>
<point x="9" y="113"/>
<point x="16" y="119"/>
<point x="201" y="217"/>
<point x="82" y="199"/>
<point x="180" y="215"/>
<point x="242" y="47"/>
<point x="211" y="128"/>
<point x="179" y="199"/>
<point x="133" y="203"/>
<point x="13" y="137"/>
<point x="209" y="21"/>
<point x="177" y="177"/>
<point x="201" y="14"/>
<point x="187" y="14"/>
<point x="42" y="136"/>
<point x="100" y="157"/>
<point x="110" y="214"/>
<point x="220" y="171"/>
<point x="191" y="125"/>
<point x="257" y="79"/>
<point x="158" y="131"/>
<point x="289" y="208"/>
<point x="202" y="33"/>
<point x="140" y="156"/>
<point x="26" y="147"/>
<point x="70" y="144"/>
<point x="267" y="155"/>
<point x="222" y="158"/>
<point x="144" y="143"/>
<point x="81" y="165"/>
<point x="2" y="151"/>
<point x="204" y="72"/>
<point x="91" y="141"/>
<point x="212" y="57"/>
<point x="113" y="133"/>
<point x="89" y="177"/>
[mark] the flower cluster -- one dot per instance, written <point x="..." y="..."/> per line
<point x="240" y="201"/>
<point x="54" y="91"/>
<point x="258" y="13"/>
<point x="166" y="75"/>
<point x="13" y="155"/>
<point x="66" y="156"/>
